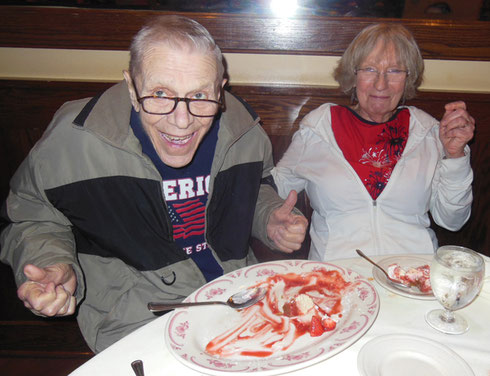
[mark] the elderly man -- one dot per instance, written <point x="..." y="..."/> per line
<point x="145" y="192"/>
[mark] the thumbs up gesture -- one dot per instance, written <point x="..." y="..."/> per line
<point x="286" y="229"/>
<point x="49" y="291"/>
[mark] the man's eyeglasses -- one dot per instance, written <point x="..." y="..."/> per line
<point x="371" y="74"/>
<point x="156" y="105"/>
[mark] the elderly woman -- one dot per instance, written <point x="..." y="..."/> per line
<point x="372" y="171"/>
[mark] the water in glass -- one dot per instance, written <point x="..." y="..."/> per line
<point x="456" y="276"/>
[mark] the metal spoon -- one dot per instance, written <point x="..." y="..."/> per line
<point x="240" y="300"/>
<point x="137" y="366"/>
<point x="390" y="280"/>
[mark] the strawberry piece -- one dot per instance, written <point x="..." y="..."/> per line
<point x="316" y="327"/>
<point x="328" y="324"/>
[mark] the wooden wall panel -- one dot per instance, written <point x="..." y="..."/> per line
<point x="103" y="29"/>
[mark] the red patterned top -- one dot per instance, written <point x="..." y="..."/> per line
<point x="372" y="149"/>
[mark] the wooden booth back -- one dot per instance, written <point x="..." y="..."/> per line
<point x="27" y="108"/>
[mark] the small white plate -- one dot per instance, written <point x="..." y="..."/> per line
<point x="403" y="355"/>
<point x="404" y="262"/>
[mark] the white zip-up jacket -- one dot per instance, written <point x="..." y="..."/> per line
<point x="345" y="217"/>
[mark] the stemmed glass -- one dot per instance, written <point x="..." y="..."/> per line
<point x="456" y="276"/>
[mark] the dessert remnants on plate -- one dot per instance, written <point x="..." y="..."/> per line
<point x="189" y="330"/>
<point x="295" y="305"/>
<point x="418" y="277"/>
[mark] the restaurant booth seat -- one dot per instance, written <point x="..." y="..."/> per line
<point x="34" y="345"/>
<point x="59" y="341"/>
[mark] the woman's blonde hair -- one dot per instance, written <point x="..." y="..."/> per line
<point x="406" y="49"/>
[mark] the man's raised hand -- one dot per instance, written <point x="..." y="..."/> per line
<point x="49" y="291"/>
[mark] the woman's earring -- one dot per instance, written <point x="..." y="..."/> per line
<point x="402" y="102"/>
<point x="353" y="97"/>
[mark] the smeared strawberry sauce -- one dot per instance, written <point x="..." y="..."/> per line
<point x="265" y="328"/>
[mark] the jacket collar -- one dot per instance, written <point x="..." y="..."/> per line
<point x="239" y="117"/>
<point x="421" y="124"/>
<point x="108" y="114"/>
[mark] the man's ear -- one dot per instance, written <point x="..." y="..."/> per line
<point x="132" y="92"/>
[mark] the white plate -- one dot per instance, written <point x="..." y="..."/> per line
<point x="189" y="330"/>
<point x="404" y="262"/>
<point x="403" y="354"/>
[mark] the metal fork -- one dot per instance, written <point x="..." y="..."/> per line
<point x="390" y="280"/>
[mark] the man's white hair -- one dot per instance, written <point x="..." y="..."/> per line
<point x="177" y="32"/>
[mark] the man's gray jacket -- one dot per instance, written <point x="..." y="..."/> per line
<point x="86" y="195"/>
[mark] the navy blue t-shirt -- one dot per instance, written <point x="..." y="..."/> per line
<point x="186" y="194"/>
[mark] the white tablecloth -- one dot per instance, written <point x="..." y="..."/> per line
<point x="397" y="315"/>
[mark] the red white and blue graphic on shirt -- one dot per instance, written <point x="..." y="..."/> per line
<point x="186" y="193"/>
<point x="186" y="200"/>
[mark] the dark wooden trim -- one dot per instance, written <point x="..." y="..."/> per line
<point x="58" y="339"/>
<point x="105" y="29"/>
<point x="37" y="366"/>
